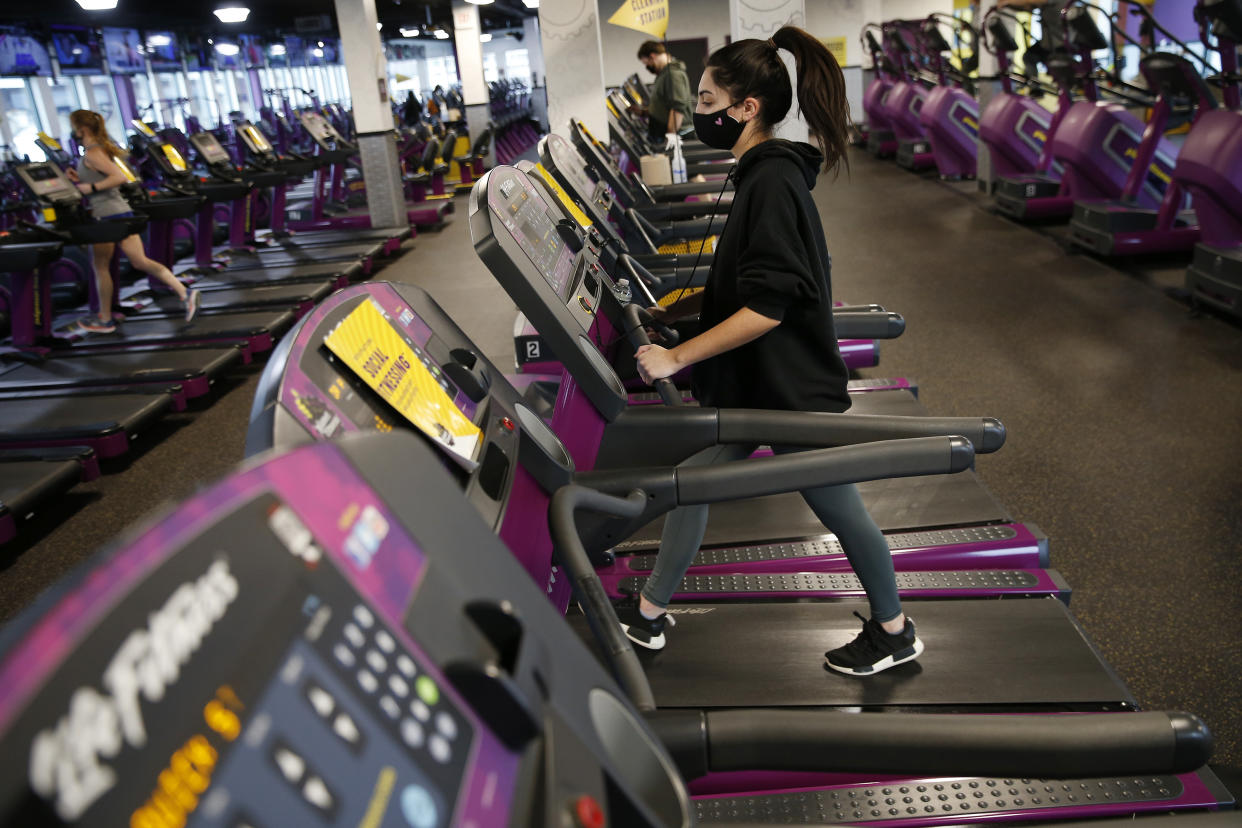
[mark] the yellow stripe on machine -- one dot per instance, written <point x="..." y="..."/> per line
<point x="566" y="201"/>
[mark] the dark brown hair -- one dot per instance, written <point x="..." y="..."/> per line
<point x="754" y="69"/>
<point x="94" y="123"/>
<point x="651" y="47"/>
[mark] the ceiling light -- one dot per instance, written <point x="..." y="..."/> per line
<point x="320" y="44"/>
<point x="97" y="5"/>
<point x="232" y="14"/>
<point x="278" y="49"/>
<point x="486" y="37"/>
<point x="378" y="26"/>
<point x="159" y="40"/>
<point x="228" y="49"/>
<point x="410" y="32"/>
<point x="441" y="34"/>
<point x="481" y="2"/>
<point x="531" y="4"/>
<point x="317" y="52"/>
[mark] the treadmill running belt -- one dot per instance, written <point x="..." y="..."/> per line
<point x="216" y="296"/>
<point x="292" y="255"/>
<point x="63" y="418"/>
<point x="1008" y="654"/>
<point x="268" y="323"/>
<point x="167" y="365"/>
<point x="899" y="504"/>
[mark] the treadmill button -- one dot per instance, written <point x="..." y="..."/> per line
<point x="367" y="681"/>
<point x="418" y="808"/>
<point x="344" y="655"/>
<point x="291" y="765"/>
<point x="412" y="733"/>
<point x="355" y="636"/>
<point x="385" y="641"/>
<point x="364" y="617"/>
<point x="440" y="750"/>
<point x="389" y="705"/>
<point x="399" y="687"/>
<point x="420" y="710"/>
<point x="376" y="661"/>
<point x="406" y="665"/>
<point x="321" y="700"/>
<point x="344" y="727"/>
<point x="446" y="726"/>
<point x="317" y="794"/>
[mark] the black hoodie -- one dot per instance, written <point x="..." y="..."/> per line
<point x="771" y="257"/>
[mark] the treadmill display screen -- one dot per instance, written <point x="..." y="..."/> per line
<point x="46" y="181"/>
<point x="77" y="50"/>
<point x="251" y="667"/>
<point x="569" y="164"/>
<point x="525" y="214"/>
<point x="210" y="148"/>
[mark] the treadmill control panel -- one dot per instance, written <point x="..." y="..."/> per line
<point x="245" y="663"/>
<point x="566" y="163"/>
<point x="48" y="182"/>
<point x="210" y="150"/>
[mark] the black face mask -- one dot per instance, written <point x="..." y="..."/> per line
<point x="718" y="129"/>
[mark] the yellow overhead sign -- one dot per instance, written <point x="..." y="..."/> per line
<point x="649" y="16"/>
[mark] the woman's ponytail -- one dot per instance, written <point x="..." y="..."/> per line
<point x="753" y="68"/>
<point x="821" y="93"/>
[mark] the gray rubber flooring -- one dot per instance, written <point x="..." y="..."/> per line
<point x="1123" y="411"/>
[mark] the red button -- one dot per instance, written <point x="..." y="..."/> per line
<point x="507" y="423"/>
<point x="588" y="812"/>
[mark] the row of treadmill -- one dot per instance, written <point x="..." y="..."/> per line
<point x="69" y="400"/>
<point x="399" y="611"/>
<point x="1152" y="166"/>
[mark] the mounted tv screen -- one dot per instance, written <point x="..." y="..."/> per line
<point x="124" y="50"/>
<point x="163" y="51"/>
<point x="295" y="51"/>
<point x="251" y="51"/>
<point x="21" y="54"/>
<point x="77" y="50"/>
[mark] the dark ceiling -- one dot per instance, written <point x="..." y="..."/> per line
<point x="266" y="16"/>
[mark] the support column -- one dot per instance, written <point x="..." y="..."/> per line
<point x="748" y="22"/>
<point x="367" y="68"/>
<point x="573" y="58"/>
<point x="538" y="72"/>
<point x="474" y="91"/>
<point x="988" y="89"/>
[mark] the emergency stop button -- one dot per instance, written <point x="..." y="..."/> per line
<point x="588" y="813"/>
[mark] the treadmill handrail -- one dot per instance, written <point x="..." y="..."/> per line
<point x="814" y="428"/>
<point x="868" y="324"/>
<point x="1031" y="746"/>
<point x="758" y="476"/>
<point x="636" y="318"/>
<point x="599" y="611"/>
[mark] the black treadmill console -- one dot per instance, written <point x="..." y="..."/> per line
<point x="569" y="298"/>
<point x="214" y="156"/>
<point x="48" y="183"/>
<point x="330" y="637"/>
<point x="309" y="392"/>
<point x="561" y="159"/>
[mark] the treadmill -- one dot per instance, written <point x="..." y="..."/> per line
<point x="228" y="187"/>
<point x="256" y="329"/>
<point x="572" y="302"/>
<point x="505" y="476"/>
<point x="396" y="669"/>
<point x="31" y="477"/>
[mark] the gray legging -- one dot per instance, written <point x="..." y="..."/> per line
<point x="840" y="508"/>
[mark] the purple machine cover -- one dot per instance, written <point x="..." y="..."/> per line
<point x="950" y="119"/>
<point x="1096" y="142"/>
<point x="255" y="599"/>
<point x="902" y="105"/>
<point x="1209" y="166"/>
<point x="1014" y="128"/>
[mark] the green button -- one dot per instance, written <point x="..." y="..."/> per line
<point x="427" y="690"/>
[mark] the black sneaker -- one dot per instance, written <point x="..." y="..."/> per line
<point x="875" y="650"/>
<point x="643" y="631"/>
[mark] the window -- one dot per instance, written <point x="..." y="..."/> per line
<point x="104" y="93"/>
<point x="65" y="98"/>
<point x="442" y="71"/>
<point x="202" y="98"/>
<point x="144" y="101"/>
<point x="21" y="121"/>
<point x="517" y="64"/>
<point x="491" y="73"/>
<point x="172" y="111"/>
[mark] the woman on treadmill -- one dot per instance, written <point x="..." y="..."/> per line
<point x="767" y="336"/>
<point x="98" y="177"/>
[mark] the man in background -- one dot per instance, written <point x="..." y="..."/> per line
<point x="672" y="101"/>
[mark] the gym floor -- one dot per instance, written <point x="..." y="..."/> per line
<point x="1123" y="411"/>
